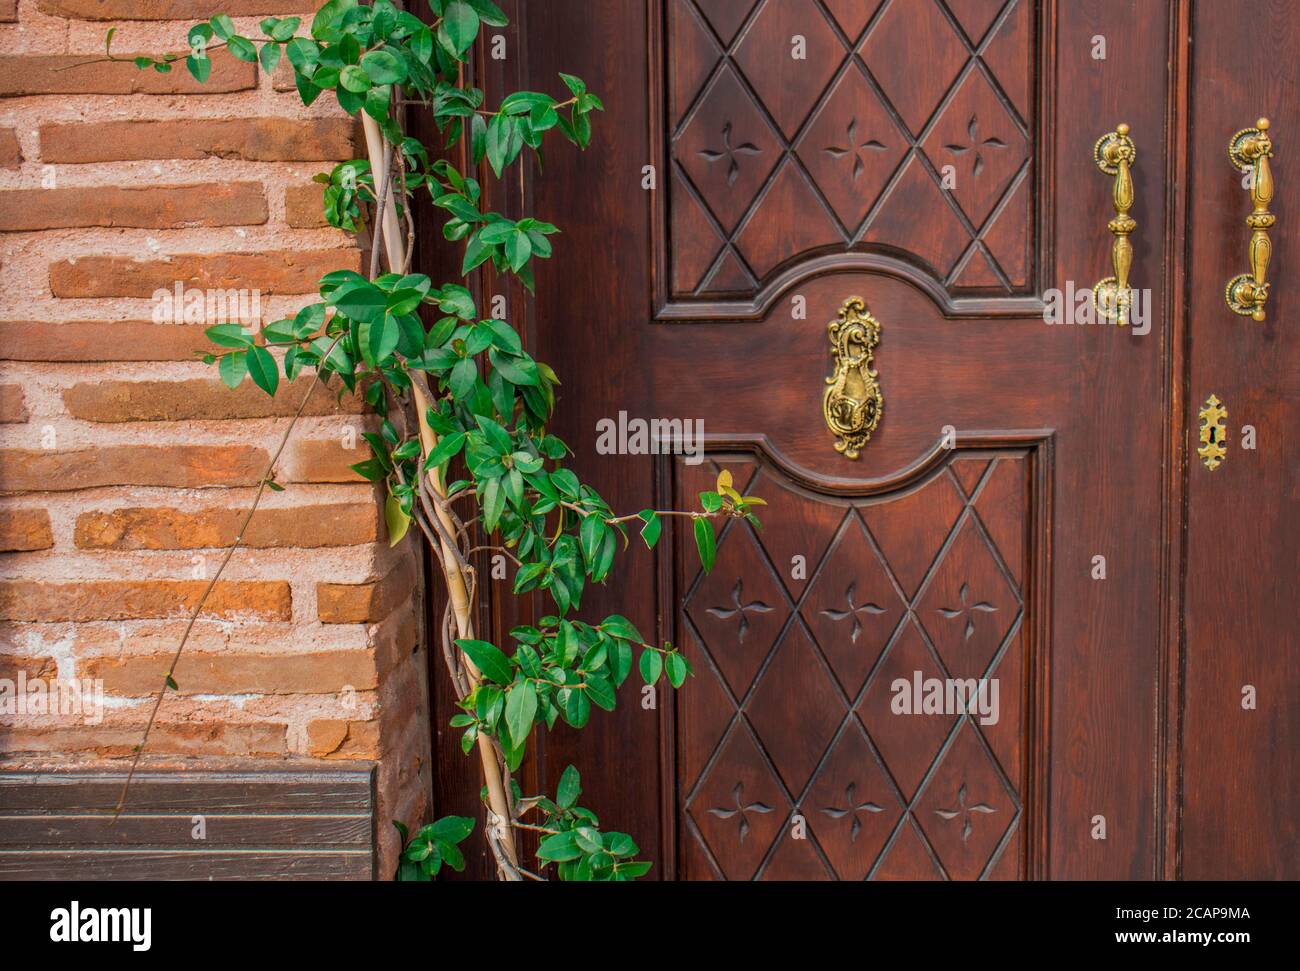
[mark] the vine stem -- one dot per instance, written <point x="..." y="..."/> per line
<point x="169" y="678"/>
<point x="457" y="577"/>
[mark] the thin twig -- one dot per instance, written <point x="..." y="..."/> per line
<point x="230" y="551"/>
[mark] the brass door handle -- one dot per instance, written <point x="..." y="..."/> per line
<point x="1115" y="154"/>
<point x="1249" y="151"/>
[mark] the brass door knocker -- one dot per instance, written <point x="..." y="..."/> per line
<point x="853" y="402"/>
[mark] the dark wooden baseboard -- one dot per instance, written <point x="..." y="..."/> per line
<point x="246" y="823"/>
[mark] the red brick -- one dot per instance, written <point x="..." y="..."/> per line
<point x="11" y="665"/>
<point x="25" y="529"/>
<point x="237" y="673"/>
<point x="303" y="527"/>
<point x="250" y="139"/>
<point x="303" y="206"/>
<point x="364" y="603"/>
<point x="86" y="600"/>
<point x="170" y="9"/>
<point x="153" y="207"/>
<point x="176" y="466"/>
<point x="101" y="340"/>
<point x="187" y="738"/>
<point x="13" y="407"/>
<point x="118" y="401"/>
<point x="8" y="11"/>
<point x="11" y="155"/>
<point x="32" y="74"/>
<point x="324" y="460"/>
<point x="338" y="738"/>
<point x="277" y="272"/>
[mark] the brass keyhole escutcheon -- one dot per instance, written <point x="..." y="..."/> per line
<point x="853" y="403"/>
<point x="1213" y="449"/>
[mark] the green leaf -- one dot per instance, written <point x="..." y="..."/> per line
<point x="616" y="625"/>
<point x="451" y="829"/>
<point x="601" y="692"/>
<point x="592" y="534"/>
<point x="558" y="848"/>
<point x="263" y="369"/>
<point x="652" y="665"/>
<point x="577" y="708"/>
<point x="574" y="84"/>
<point x="242" y="48"/>
<point x="448" y="446"/>
<point x="678" y="669"/>
<point x="397" y="519"/>
<point x="459" y="25"/>
<point x="171" y="683"/>
<point x="488" y="658"/>
<point x="569" y="789"/>
<point x="229" y="335"/>
<point x="379" y="338"/>
<point x="383" y="68"/>
<point x="269" y="57"/>
<point x="233" y="368"/>
<point x="652" y="528"/>
<point x="706" y="543"/>
<point x="463" y="376"/>
<point x="521" y="709"/>
<point x="200" y="67"/>
<point x="354" y="78"/>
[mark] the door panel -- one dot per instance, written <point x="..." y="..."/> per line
<point x="798" y="638"/>
<point x="1243" y="518"/>
<point x="685" y="295"/>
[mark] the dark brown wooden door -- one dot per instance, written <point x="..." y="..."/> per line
<point x="1017" y="514"/>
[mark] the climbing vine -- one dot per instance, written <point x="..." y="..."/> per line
<point x="458" y="395"/>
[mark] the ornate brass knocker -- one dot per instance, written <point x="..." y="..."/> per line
<point x="853" y="403"/>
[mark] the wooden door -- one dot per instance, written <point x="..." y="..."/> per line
<point x="1016" y="515"/>
<point x="1240" y="712"/>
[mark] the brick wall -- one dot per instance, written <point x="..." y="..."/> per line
<point x="126" y="466"/>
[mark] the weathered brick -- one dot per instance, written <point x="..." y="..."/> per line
<point x="277" y="272"/>
<point x="177" y="466"/>
<point x="86" y="600"/>
<point x="250" y="139"/>
<point x="323" y="460"/>
<point x="13" y="406"/>
<point x="118" y="401"/>
<point x="169" y="9"/>
<point x="11" y="155"/>
<point x="236" y="673"/>
<point x="8" y="11"/>
<point x="338" y="738"/>
<point x="303" y="208"/>
<point x="364" y="603"/>
<point x="154" y="207"/>
<point x="25" y="529"/>
<point x="186" y="738"/>
<point x="304" y="527"/>
<point x="101" y="340"/>
<point x="32" y="74"/>
<point x="11" y="665"/>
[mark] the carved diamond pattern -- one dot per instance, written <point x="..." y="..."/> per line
<point x="740" y="807"/>
<point x="739" y="609"/>
<point x="727" y="149"/>
<point x="852" y="607"/>
<point x="924" y="93"/>
<point x="885" y="793"/>
<point x="852" y="160"/>
<point x="966" y="807"/>
<point x="852" y="807"/>
<point x="977" y="137"/>
<point x="968" y="606"/>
